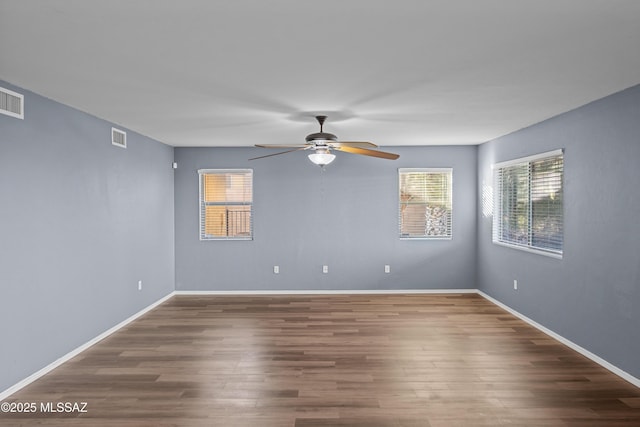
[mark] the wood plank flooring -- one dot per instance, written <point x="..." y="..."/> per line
<point x="310" y="361"/>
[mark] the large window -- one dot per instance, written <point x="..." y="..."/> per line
<point x="226" y="200"/>
<point x="529" y="203"/>
<point x="425" y="203"/>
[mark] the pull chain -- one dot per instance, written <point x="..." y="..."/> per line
<point x="322" y="171"/>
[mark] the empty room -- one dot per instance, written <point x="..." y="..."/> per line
<point x="320" y="213"/>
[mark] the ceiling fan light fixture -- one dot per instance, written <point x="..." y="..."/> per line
<point x="322" y="157"/>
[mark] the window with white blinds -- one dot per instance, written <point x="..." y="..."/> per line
<point x="529" y="203"/>
<point x="226" y="204"/>
<point x="425" y="203"/>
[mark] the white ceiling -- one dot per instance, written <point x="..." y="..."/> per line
<point x="401" y="72"/>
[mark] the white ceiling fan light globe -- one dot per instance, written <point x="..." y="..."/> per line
<point x="322" y="158"/>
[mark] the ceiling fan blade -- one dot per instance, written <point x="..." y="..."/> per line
<point x="361" y="144"/>
<point x="282" y="152"/>
<point x="367" y="152"/>
<point x="282" y="145"/>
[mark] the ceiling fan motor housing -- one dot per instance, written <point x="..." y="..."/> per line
<point x="321" y="137"/>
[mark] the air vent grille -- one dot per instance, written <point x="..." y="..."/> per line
<point x="11" y="103"/>
<point x="119" y="137"/>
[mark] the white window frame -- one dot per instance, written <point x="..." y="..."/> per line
<point x="404" y="236"/>
<point x="497" y="226"/>
<point x="202" y="204"/>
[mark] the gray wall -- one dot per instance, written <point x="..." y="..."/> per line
<point x="81" y="221"/>
<point x="345" y="217"/>
<point x="592" y="295"/>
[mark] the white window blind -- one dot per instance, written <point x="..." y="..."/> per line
<point x="529" y="203"/>
<point x="226" y="204"/>
<point x="425" y="200"/>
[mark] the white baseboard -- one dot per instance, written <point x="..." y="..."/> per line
<point x="586" y="353"/>
<point x="332" y="292"/>
<point x="31" y="378"/>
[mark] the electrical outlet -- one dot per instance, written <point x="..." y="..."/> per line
<point x="325" y="269"/>
<point x="139" y="285"/>
<point x="276" y="269"/>
<point x="515" y="284"/>
<point x="387" y="269"/>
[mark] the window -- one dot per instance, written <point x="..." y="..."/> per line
<point x="425" y="203"/>
<point x="226" y="200"/>
<point x="529" y="203"/>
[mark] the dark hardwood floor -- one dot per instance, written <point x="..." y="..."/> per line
<point x="306" y="361"/>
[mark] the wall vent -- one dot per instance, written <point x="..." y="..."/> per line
<point x="119" y="137"/>
<point x="11" y="103"/>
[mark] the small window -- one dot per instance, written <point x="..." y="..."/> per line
<point x="226" y="204"/>
<point x="529" y="203"/>
<point x="425" y="203"/>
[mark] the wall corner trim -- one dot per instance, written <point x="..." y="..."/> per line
<point x="586" y="353"/>
<point x="50" y="367"/>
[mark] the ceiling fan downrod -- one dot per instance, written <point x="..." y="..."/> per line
<point x="321" y="120"/>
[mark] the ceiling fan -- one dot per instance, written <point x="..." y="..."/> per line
<point x="322" y="143"/>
